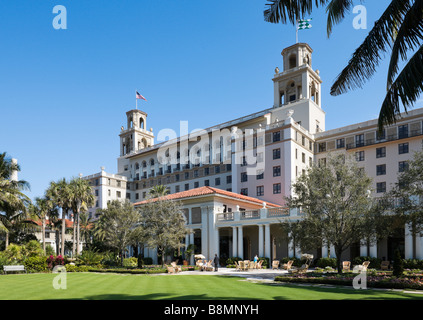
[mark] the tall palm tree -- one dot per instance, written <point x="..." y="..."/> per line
<point x="399" y="30"/>
<point x="39" y="210"/>
<point x="86" y="225"/>
<point x="60" y="193"/>
<point x="13" y="202"/>
<point x="158" y="191"/>
<point x="81" y="198"/>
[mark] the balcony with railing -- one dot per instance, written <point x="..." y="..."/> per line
<point x="388" y="138"/>
<point x="254" y="215"/>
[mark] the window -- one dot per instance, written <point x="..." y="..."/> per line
<point x="96" y="192"/>
<point x="244" y="161"/>
<point x="277" y="171"/>
<point x="403" y="148"/>
<point x="206" y="171"/>
<point x="402" y="166"/>
<point x="217" y="182"/>
<point x="276" y="188"/>
<point x="322" y="147"/>
<point x="186" y="175"/>
<point x="228" y="179"/>
<point x="196" y="184"/>
<point x="186" y="186"/>
<point x="195" y="173"/>
<point x="118" y="194"/>
<point x="359" y="140"/>
<point x="244" y="191"/>
<point x="303" y="157"/>
<point x="403" y="131"/>
<point x="276" y="154"/>
<point x="381" y="170"/>
<point x="260" y="174"/>
<point x="359" y="156"/>
<point x="276" y="136"/>
<point x="381" y="152"/>
<point x="137" y="196"/>
<point x="128" y="196"/>
<point x="381" y="187"/>
<point x="206" y="183"/>
<point x="244" y="177"/>
<point x="260" y="191"/>
<point x="177" y="177"/>
<point x="217" y="169"/>
<point x="109" y="192"/>
<point x="381" y="135"/>
<point x="340" y="143"/>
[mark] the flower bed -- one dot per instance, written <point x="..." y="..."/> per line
<point x="378" y="280"/>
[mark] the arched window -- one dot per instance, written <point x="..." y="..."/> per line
<point x="141" y="123"/>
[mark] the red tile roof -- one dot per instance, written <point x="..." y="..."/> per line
<point x="202" y="191"/>
<point x="69" y="223"/>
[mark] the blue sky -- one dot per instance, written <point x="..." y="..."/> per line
<point x="64" y="93"/>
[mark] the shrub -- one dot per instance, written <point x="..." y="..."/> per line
<point x="130" y="262"/>
<point x="36" y="264"/>
<point x="90" y="258"/>
<point x="50" y="250"/>
<point x="398" y="268"/>
<point x="326" y="262"/>
<point x="232" y="260"/>
<point x="147" y="261"/>
<point x="54" y="261"/>
<point x="74" y="268"/>
<point x="33" y="249"/>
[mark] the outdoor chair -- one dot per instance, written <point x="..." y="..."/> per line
<point x="259" y="264"/>
<point x="246" y="265"/>
<point x="176" y="267"/>
<point x="251" y="265"/>
<point x="302" y="269"/>
<point x="288" y="265"/>
<point x="346" y="265"/>
<point x="275" y="264"/>
<point x="366" y="265"/>
<point x="237" y="266"/>
<point x="170" y="269"/>
<point x="384" y="265"/>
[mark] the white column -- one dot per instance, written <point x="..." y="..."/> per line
<point x="267" y="241"/>
<point x="324" y="251"/>
<point x="191" y="241"/>
<point x="332" y="251"/>
<point x="204" y="232"/>
<point x="189" y="215"/>
<point x="290" y="248"/>
<point x="419" y="247"/>
<point x="234" y="242"/>
<point x="363" y="248"/>
<point x="408" y="239"/>
<point x="240" y="243"/>
<point x="260" y="240"/>
<point x="373" y="249"/>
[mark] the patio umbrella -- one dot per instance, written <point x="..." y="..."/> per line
<point x="199" y="256"/>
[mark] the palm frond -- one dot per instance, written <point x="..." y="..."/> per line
<point x="366" y="58"/>
<point x="406" y="90"/>
<point x="289" y="10"/>
<point x="407" y="39"/>
<point x="336" y="11"/>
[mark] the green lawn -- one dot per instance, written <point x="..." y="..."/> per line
<point x="172" y="287"/>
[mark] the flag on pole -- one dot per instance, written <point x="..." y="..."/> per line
<point x="304" y="24"/>
<point x="139" y="96"/>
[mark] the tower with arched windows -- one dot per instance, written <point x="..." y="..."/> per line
<point x="136" y="136"/>
<point x="298" y="88"/>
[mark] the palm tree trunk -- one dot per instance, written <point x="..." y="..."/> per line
<point x="43" y="228"/>
<point x="77" y="233"/>
<point x="7" y="240"/>
<point x="57" y="241"/>
<point x="74" y="235"/>
<point x="62" y="252"/>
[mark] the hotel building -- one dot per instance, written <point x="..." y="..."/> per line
<point x="232" y="178"/>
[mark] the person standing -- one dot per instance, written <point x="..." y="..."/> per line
<point x="216" y="262"/>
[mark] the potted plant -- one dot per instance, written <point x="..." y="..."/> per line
<point x="188" y="253"/>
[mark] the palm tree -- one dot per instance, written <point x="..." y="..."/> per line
<point x="399" y="29"/>
<point x="60" y="193"/>
<point x="13" y="202"/>
<point x="86" y="224"/>
<point x="158" y="191"/>
<point x="81" y="198"/>
<point x="40" y="210"/>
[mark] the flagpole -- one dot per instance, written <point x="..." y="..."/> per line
<point x="136" y="100"/>
<point x="296" y="27"/>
